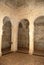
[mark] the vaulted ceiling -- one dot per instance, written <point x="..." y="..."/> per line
<point x="18" y="3"/>
<point x="15" y="3"/>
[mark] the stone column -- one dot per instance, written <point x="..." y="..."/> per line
<point x="0" y="43"/>
<point x="14" y="37"/>
<point x="31" y="38"/>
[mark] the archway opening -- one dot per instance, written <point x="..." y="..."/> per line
<point x="39" y="36"/>
<point x="23" y="36"/>
<point x="6" y="35"/>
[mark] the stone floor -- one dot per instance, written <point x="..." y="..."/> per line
<point x="21" y="59"/>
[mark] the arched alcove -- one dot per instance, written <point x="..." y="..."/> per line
<point x="6" y="35"/>
<point x="39" y="36"/>
<point x="23" y="36"/>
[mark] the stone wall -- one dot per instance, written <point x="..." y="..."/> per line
<point x="39" y="33"/>
<point x="23" y="34"/>
<point x="7" y="11"/>
<point x="30" y="12"/>
<point x="6" y="34"/>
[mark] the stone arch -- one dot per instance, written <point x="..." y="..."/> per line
<point x="23" y="36"/>
<point x="39" y="35"/>
<point x="6" y="35"/>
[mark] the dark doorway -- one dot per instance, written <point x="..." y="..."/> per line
<point x="6" y="36"/>
<point x="23" y="36"/>
<point x="39" y="36"/>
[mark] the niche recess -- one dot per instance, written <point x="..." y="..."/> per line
<point x="6" y="36"/>
<point x="23" y="36"/>
<point x="39" y="36"/>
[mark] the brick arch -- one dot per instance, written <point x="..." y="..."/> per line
<point x="39" y="35"/>
<point x="23" y="36"/>
<point x="6" y="35"/>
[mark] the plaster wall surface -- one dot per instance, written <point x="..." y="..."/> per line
<point x="30" y="12"/>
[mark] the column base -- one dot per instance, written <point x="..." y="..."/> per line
<point x="31" y="52"/>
